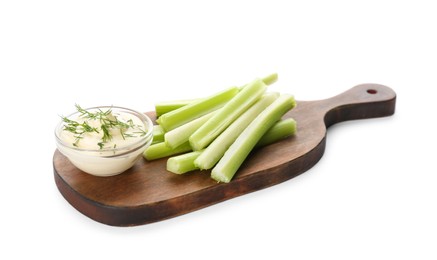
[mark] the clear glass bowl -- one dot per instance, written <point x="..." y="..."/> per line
<point x="106" y="161"/>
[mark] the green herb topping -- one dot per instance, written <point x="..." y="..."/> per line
<point x="108" y="123"/>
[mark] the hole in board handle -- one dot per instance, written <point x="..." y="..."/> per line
<point x="372" y="91"/>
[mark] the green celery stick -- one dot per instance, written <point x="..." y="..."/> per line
<point x="218" y="147"/>
<point x="196" y="109"/>
<point x="185" y="162"/>
<point x="180" y="134"/>
<point x="228" y="165"/>
<point x="167" y="106"/>
<point x="229" y="112"/>
<point x="161" y="150"/>
<point x="158" y="134"/>
<point x="280" y="130"/>
<point x="270" y="79"/>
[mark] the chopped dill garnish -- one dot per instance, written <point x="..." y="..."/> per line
<point x="108" y="122"/>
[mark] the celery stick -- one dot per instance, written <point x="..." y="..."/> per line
<point x="270" y="79"/>
<point x="161" y="150"/>
<point x="240" y="149"/>
<point x="196" y="109"/>
<point x="185" y="162"/>
<point x="218" y="147"/>
<point x="280" y="130"/>
<point x="167" y="106"/>
<point x="158" y="134"/>
<point x="180" y="134"/>
<point x="230" y="111"/>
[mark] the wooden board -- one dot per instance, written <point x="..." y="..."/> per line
<point x="147" y="192"/>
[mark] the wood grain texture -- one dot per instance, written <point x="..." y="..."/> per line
<point x="148" y="193"/>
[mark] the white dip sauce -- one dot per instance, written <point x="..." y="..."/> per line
<point x="104" y="144"/>
<point x="119" y="136"/>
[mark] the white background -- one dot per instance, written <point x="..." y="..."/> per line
<point x="372" y="196"/>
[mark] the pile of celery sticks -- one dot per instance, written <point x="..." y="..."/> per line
<point x="218" y="132"/>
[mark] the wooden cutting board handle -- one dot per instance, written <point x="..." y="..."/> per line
<point x="360" y="102"/>
<point x="147" y="192"/>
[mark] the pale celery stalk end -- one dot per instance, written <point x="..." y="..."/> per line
<point x="182" y="163"/>
<point x="220" y="176"/>
<point x="270" y="79"/>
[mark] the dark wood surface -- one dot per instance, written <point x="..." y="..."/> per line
<point x="148" y="193"/>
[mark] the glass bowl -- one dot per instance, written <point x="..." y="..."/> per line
<point x="106" y="161"/>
